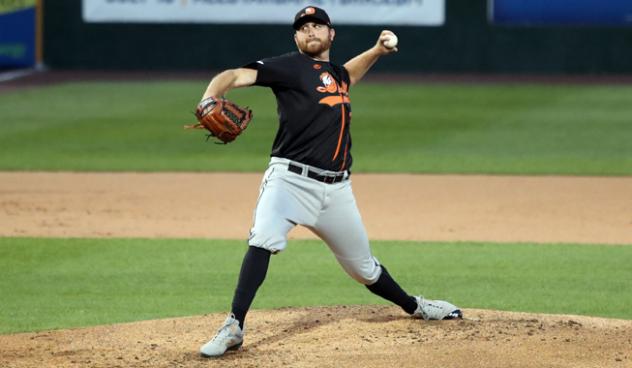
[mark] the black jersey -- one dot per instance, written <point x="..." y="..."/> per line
<point x="314" y="109"/>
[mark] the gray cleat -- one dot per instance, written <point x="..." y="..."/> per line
<point x="229" y="337"/>
<point x="436" y="309"/>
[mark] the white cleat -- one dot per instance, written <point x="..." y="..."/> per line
<point x="229" y="337"/>
<point x="436" y="309"/>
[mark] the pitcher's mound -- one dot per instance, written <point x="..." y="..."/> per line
<point x="345" y="336"/>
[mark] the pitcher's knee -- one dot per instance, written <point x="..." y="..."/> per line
<point x="365" y="271"/>
<point x="271" y="242"/>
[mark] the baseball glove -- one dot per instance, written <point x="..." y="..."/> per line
<point x="224" y="119"/>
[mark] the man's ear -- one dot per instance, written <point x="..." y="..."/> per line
<point x="332" y="34"/>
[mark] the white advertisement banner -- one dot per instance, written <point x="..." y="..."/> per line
<point x="365" y="12"/>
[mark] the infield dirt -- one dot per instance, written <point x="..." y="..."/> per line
<point x="409" y="207"/>
<point x="546" y="209"/>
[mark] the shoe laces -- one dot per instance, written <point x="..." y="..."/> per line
<point x="225" y="331"/>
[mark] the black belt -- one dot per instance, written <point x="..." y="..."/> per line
<point x="329" y="179"/>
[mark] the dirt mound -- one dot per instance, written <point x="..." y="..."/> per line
<point x="358" y="336"/>
<point x="434" y="207"/>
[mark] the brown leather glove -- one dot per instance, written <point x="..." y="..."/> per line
<point x="224" y="119"/>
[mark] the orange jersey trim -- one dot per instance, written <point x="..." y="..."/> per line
<point x="342" y="129"/>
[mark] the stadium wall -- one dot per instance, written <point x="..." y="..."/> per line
<point x="467" y="43"/>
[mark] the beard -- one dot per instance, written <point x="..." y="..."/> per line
<point x="315" y="47"/>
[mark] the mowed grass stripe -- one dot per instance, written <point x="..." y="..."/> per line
<point x="60" y="283"/>
<point x="451" y="128"/>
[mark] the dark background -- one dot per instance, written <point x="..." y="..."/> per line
<point x="467" y="43"/>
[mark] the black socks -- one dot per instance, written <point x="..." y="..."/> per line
<point x="388" y="289"/>
<point x="253" y="271"/>
<point x="255" y="266"/>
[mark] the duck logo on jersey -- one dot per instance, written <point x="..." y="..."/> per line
<point x="330" y="86"/>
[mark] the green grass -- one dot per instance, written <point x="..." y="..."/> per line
<point x="58" y="283"/>
<point x="497" y="129"/>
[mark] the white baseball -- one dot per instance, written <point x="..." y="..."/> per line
<point x="390" y="42"/>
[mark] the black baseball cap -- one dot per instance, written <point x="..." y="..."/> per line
<point x="311" y="14"/>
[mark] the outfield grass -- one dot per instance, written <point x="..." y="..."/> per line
<point x="497" y="129"/>
<point x="58" y="283"/>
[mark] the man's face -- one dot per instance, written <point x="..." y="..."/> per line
<point x="313" y="38"/>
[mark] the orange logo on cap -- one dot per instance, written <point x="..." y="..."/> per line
<point x="310" y="11"/>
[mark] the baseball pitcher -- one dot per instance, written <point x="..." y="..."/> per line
<point x="308" y="178"/>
